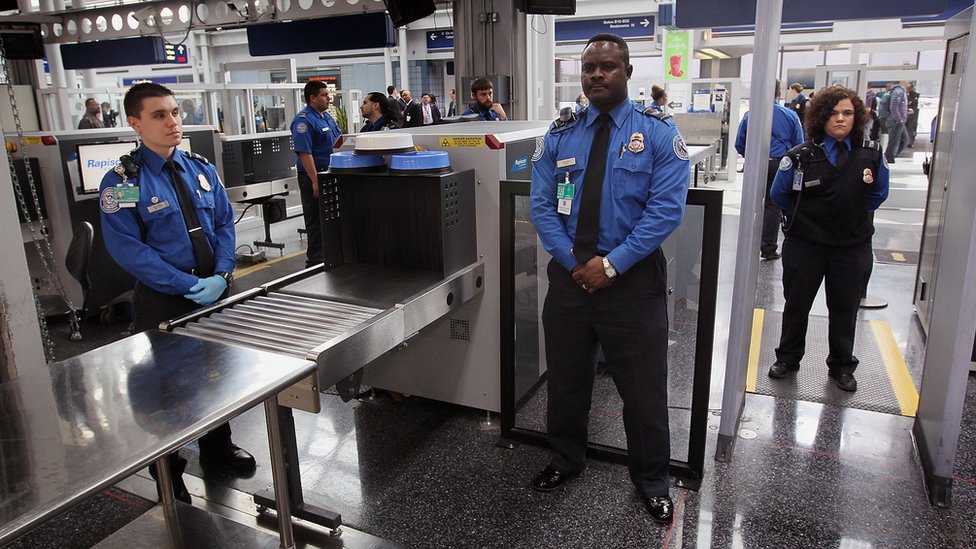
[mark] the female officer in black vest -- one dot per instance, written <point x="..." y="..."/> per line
<point x="828" y="187"/>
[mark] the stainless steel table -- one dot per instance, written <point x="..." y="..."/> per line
<point x="699" y="154"/>
<point x="95" y="419"/>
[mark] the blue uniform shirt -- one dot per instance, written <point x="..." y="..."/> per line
<point x="783" y="184"/>
<point x="164" y="259"/>
<point x="485" y="114"/>
<point x="644" y="186"/>
<point x="314" y="133"/>
<point x="787" y="132"/>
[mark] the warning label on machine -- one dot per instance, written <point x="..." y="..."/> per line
<point x="463" y="141"/>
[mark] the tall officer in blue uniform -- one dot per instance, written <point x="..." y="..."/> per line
<point x="608" y="275"/>
<point x="314" y="133"/>
<point x="483" y="93"/>
<point x="787" y="132"/>
<point x="167" y="221"/>
<point x="828" y="187"/>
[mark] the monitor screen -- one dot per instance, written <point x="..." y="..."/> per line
<point x="95" y="159"/>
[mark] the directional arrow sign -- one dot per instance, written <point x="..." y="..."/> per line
<point x="634" y="26"/>
<point x="645" y="23"/>
<point x="440" y="39"/>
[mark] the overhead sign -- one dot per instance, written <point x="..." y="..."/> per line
<point x="440" y="39"/>
<point x="175" y="54"/>
<point x="705" y="14"/>
<point x="633" y="26"/>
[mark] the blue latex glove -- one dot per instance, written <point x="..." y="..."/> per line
<point x="207" y="290"/>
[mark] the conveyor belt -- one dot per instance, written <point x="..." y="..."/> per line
<point x="282" y="323"/>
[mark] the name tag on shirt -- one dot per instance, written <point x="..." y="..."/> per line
<point x="160" y="206"/>
<point x="566" y="162"/>
<point x="811" y="183"/>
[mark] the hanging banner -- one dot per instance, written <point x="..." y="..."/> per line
<point x="677" y="55"/>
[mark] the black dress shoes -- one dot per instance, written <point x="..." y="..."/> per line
<point x="779" y="370"/>
<point x="550" y="479"/>
<point x="661" y="508"/>
<point x="230" y="457"/>
<point x="177" y="464"/>
<point x="770" y="256"/>
<point x="845" y="382"/>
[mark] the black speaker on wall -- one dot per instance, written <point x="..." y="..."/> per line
<point x="404" y="12"/>
<point x="547" y="7"/>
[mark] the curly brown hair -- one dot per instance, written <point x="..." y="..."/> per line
<point x="823" y="103"/>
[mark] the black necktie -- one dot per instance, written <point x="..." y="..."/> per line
<point x="841" y="154"/>
<point x="588" y="224"/>
<point x="202" y="251"/>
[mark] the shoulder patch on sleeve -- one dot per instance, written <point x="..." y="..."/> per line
<point x="680" y="149"/>
<point x="107" y="201"/>
<point x="785" y="164"/>
<point x="540" y="149"/>
<point x="198" y="157"/>
<point x="301" y="127"/>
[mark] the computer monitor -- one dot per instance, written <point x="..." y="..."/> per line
<point x="95" y="159"/>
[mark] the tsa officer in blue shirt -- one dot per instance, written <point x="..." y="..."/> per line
<point x="829" y="188"/>
<point x="608" y="187"/>
<point x="314" y="133"/>
<point x="483" y="93"/>
<point x="167" y="221"/>
<point x="787" y="132"/>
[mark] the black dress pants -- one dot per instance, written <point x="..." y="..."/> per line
<point x="313" y="226"/>
<point x="150" y="309"/>
<point x="630" y="321"/>
<point x="845" y="270"/>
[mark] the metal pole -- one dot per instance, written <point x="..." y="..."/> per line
<point x="164" y="480"/>
<point x="769" y="15"/>
<point x="282" y="502"/>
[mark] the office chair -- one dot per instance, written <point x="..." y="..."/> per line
<point x="76" y="260"/>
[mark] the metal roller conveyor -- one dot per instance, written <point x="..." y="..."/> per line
<point x="287" y="317"/>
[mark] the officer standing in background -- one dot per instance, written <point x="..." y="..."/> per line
<point x="167" y="221"/>
<point x="799" y="103"/>
<point x="828" y="187"/>
<point x="376" y="110"/>
<point x="314" y="133"/>
<point x="483" y="93"/>
<point x="608" y="187"/>
<point x="787" y="132"/>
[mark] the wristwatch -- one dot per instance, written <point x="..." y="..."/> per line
<point x="608" y="268"/>
<point x="228" y="277"/>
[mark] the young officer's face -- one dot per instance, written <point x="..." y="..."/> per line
<point x="604" y="77"/>
<point x="159" y="124"/>
<point x="841" y="120"/>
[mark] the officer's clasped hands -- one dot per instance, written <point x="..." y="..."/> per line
<point x="207" y="290"/>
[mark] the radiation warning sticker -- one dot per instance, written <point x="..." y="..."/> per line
<point x="463" y="141"/>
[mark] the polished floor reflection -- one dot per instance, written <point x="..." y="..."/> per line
<point x="419" y="473"/>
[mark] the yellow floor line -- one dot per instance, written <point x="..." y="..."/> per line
<point x="901" y="379"/>
<point x="757" y="327"/>
<point x="240" y="273"/>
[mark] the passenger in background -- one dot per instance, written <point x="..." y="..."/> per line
<point x="192" y="114"/>
<point x="413" y="113"/>
<point x="174" y="232"/>
<point x="872" y="127"/>
<point x="659" y="98"/>
<point x="898" y="112"/>
<point x="483" y="93"/>
<point x="376" y="110"/>
<point x="608" y="187"/>
<point x="787" y="132"/>
<point x="452" y="106"/>
<point x="581" y="103"/>
<point x="431" y="114"/>
<point x="93" y="115"/>
<point x="884" y="101"/>
<point x="799" y="102"/>
<point x="314" y="133"/>
<point x="109" y="116"/>
<point x="829" y="188"/>
<point x="912" y="123"/>
<point x="396" y="107"/>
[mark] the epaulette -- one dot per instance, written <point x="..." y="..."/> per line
<point x="198" y="157"/>
<point x="303" y="114"/>
<point x="871" y="144"/>
<point x="651" y="111"/>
